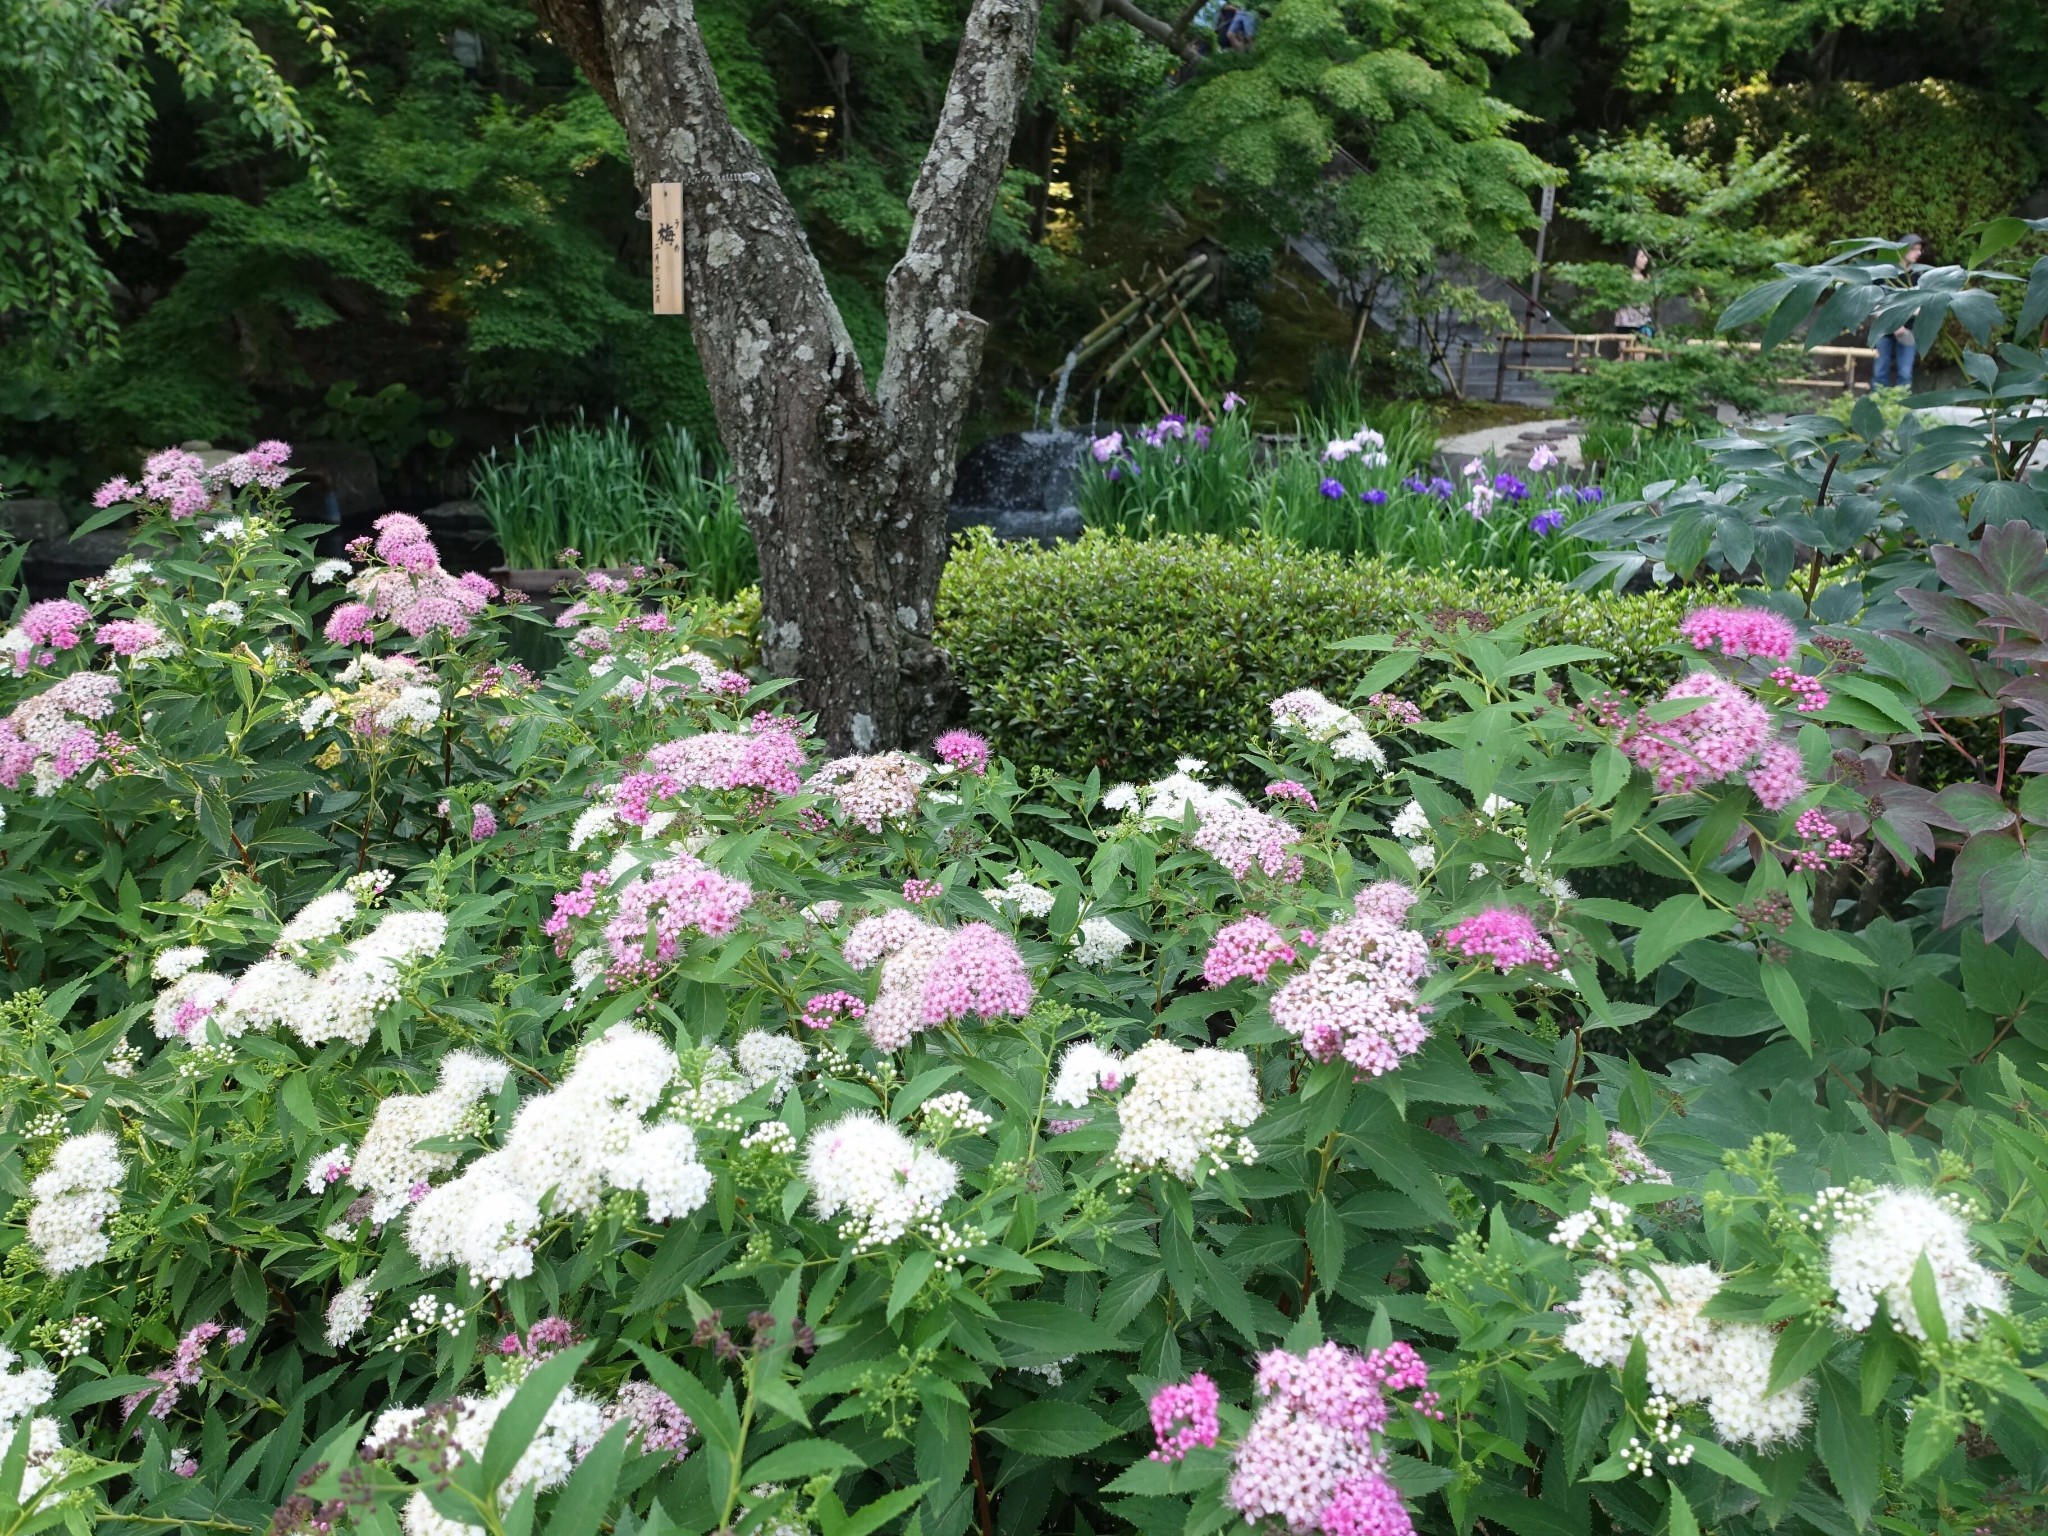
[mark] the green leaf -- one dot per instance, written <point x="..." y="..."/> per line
<point x="1927" y="1301"/>
<point x="714" y="1421"/>
<point x="878" y="1514"/>
<point x="1682" y="1521"/>
<point x="1801" y="1347"/>
<point x="1055" y="1430"/>
<point x="1847" y="1439"/>
<point x="586" y="1498"/>
<point x="520" y="1420"/>
<point x="910" y="1280"/>
<point x="801" y="1459"/>
<point x="1045" y="1331"/>
<point x="1715" y="1456"/>
<point x="1788" y="1003"/>
<point x="1611" y="769"/>
<point x="1677" y="921"/>
<point x="1325" y="1243"/>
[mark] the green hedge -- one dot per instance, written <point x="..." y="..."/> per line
<point x="1125" y="654"/>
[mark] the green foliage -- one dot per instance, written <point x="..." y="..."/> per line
<point x="1125" y="654"/>
<point x="1695" y="214"/>
<point x="990" y="1363"/>
<point x="1698" y="44"/>
<point x="74" y="138"/>
<point x="1371" y="128"/>
<point x="617" y="502"/>
<point x="1929" y="156"/>
<point x="1679" y="388"/>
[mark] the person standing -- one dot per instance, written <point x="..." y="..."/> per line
<point x="1895" y="350"/>
<point x="1638" y="316"/>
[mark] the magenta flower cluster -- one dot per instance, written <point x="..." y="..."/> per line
<point x="765" y="755"/>
<point x="409" y="588"/>
<point x="1291" y="789"/>
<point x="1357" y="998"/>
<point x="1314" y="1457"/>
<point x="182" y="485"/>
<point x="655" y="913"/>
<point x="1726" y="732"/>
<point x="1741" y="632"/>
<point x="483" y="823"/>
<point x="1238" y="837"/>
<point x="1504" y="935"/>
<point x="963" y="750"/>
<point x="1398" y="710"/>
<point x="1184" y="1417"/>
<point x="932" y="976"/>
<point x="1251" y="946"/>
<point x="1824" y="839"/>
<point x="47" y="737"/>
<point x="130" y="637"/>
<point x="185" y="1368"/>
<point x="1807" y="693"/>
<point x="828" y="1008"/>
<point x="58" y="623"/>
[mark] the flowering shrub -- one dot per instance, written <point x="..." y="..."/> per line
<point x="450" y="1097"/>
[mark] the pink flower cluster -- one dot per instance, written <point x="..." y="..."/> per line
<point x="1825" y="841"/>
<point x="963" y="750"/>
<point x="1807" y="693"/>
<point x="658" y="1423"/>
<point x="45" y="737"/>
<point x="483" y="823"/>
<point x="1237" y="837"/>
<point x="1714" y="740"/>
<point x="932" y="976"/>
<point x="1251" y="946"/>
<point x="130" y="637"/>
<point x="654" y="913"/>
<point x="828" y="1008"/>
<point x="184" y="1369"/>
<point x="570" y="905"/>
<point x="918" y="892"/>
<point x="410" y="588"/>
<point x="872" y="790"/>
<point x="548" y="1336"/>
<point x="1291" y="789"/>
<point x="1397" y="710"/>
<point x="1741" y="632"/>
<point x="1504" y="935"/>
<point x="58" y="623"/>
<point x="766" y="756"/>
<point x="1184" y="1417"/>
<point x="1357" y="998"/>
<point x="182" y="484"/>
<point x="1313" y="1455"/>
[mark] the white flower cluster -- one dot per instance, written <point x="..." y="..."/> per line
<point x="349" y="1312"/>
<point x="1171" y="798"/>
<point x="872" y="790"/>
<point x="1098" y="941"/>
<point x="568" y="1147"/>
<point x="1879" y="1242"/>
<point x="21" y="1393"/>
<point x="391" y="1167"/>
<point x="1018" y="891"/>
<point x="1306" y="713"/>
<point x="766" y="1059"/>
<point x="1632" y="1165"/>
<point x="341" y="1001"/>
<point x="952" y="1113"/>
<point x="1183" y="1109"/>
<point x="573" y="1424"/>
<point x="1665" y="1436"/>
<point x="875" y="1178"/>
<point x="1692" y="1358"/>
<point x="1605" y="1228"/>
<point x="1411" y="826"/>
<point x="172" y="963"/>
<point x="705" y="1094"/>
<point x="1085" y="1067"/>
<point x="74" y="1197"/>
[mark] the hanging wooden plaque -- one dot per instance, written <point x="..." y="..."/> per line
<point x="665" y="214"/>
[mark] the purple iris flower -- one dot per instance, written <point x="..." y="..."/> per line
<point x="1506" y="485"/>
<point x="1544" y="524"/>
<point x="1441" y="488"/>
<point x="1589" y="494"/>
<point x="1373" y="497"/>
<point x="1417" y="484"/>
<point x="1334" y="489"/>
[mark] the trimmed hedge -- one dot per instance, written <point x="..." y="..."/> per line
<point x="1124" y="654"/>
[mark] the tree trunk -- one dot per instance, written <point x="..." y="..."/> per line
<point x="844" y="487"/>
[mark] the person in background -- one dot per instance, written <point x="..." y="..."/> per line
<point x="1895" y="351"/>
<point x="1240" y="26"/>
<point x="1637" y="317"/>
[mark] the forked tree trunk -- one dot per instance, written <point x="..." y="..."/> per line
<point x="844" y="485"/>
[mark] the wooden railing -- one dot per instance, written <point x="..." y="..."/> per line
<point x="1584" y="348"/>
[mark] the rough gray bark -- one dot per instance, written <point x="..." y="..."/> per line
<point x="844" y="486"/>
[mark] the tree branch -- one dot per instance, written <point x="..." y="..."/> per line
<point x="1165" y="33"/>
<point x="577" y="28"/>
<point x="934" y="339"/>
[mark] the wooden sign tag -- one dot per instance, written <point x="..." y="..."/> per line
<point x="665" y="215"/>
